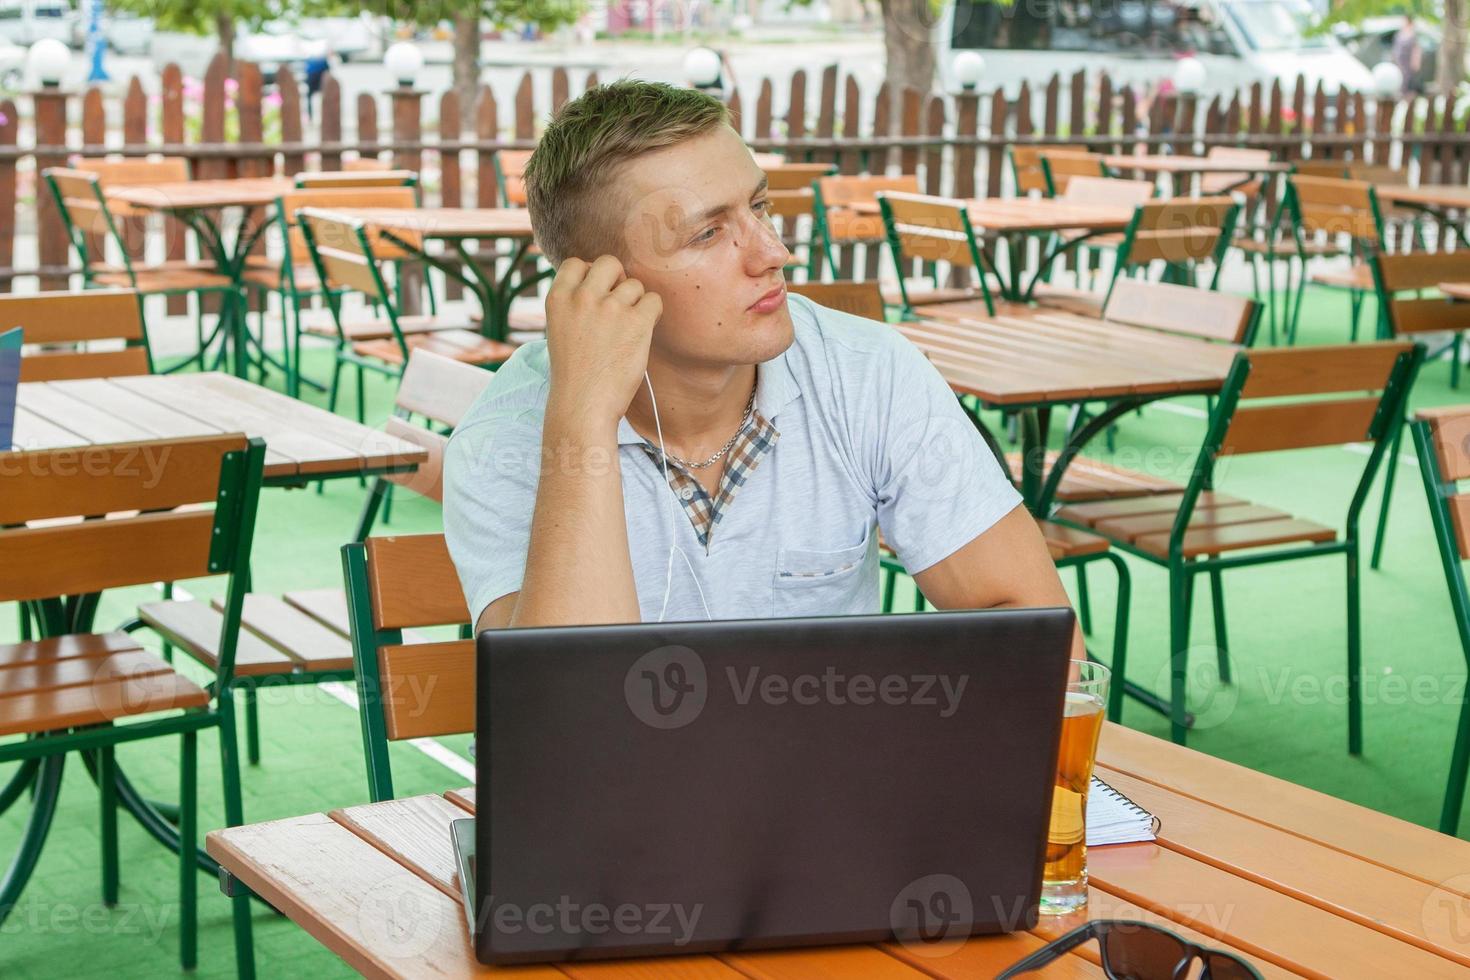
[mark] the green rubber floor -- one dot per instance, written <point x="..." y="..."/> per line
<point x="1285" y="713"/>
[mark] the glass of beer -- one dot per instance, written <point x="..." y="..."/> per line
<point x="1064" y="878"/>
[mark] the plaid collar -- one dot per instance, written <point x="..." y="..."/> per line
<point x="775" y="388"/>
<point x="704" y="512"/>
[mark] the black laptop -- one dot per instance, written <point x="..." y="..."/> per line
<point x="694" y="787"/>
<point x="10" y="345"/>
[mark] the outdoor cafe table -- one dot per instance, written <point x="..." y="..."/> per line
<point x="303" y="443"/>
<point x="1014" y="219"/>
<point x="200" y="205"/>
<point x="1435" y="200"/>
<point x="1031" y="364"/>
<point x="414" y="228"/>
<point x="1179" y="166"/>
<point x="1299" y="883"/>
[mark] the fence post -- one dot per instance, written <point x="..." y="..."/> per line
<point x="408" y="128"/>
<point x="49" y="109"/>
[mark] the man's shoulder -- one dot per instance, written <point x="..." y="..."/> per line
<point x="517" y="393"/>
<point x="832" y="342"/>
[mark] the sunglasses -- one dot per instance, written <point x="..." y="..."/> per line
<point x="1139" y="951"/>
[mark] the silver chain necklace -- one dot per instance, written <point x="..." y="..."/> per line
<point x="745" y="421"/>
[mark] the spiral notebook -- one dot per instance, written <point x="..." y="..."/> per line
<point x="1113" y="818"/>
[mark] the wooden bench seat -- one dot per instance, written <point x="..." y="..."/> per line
<point x="1083" y="302"/>
<point x="329" y="607"/>
<point x="1286" y="248"/>
<point x="1216" y="526"/>
<point x="319" y="324"/>
<point x="459" y="345"/>
<point x="1088" y="479"/>
<point x="1358" y="276"/>
<point x="275" y="637"/>
<point x="1069" y="542"/>
<point x="79" y="680"/>
<point x="149" y="280"/>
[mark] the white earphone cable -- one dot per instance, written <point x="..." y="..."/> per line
<point x="673" y="526"/>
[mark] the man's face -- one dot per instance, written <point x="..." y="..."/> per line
<point x="697" y="232"/>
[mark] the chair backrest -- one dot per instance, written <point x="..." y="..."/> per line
<point x="1274" y="400"/>
<point x="441" y="390"/>
<point x="1026" y="167"/>
<point x="1107" y="190"/>
<point x="84" y="212"/>
<point x="1185" y="310"/>
<point x="837" y="224"/>
<point x="1377" y="173"/>
<point x="1336" y="206"/>
<point x="317" y="179"/>
<point x="1442" y="440"/>
<point x="138" y="171"/>
<point x="144" y="522"/>
<point x="1222" y="183"/>
<point x="1335" y="169"/>
<point x="407" y="690"/>
<point x="862" y="299"/>
<point x="1060" y="167"/>
<point x="1180" y="229"/>
<point x="341" y="196"/>
<point x="1413" y="272"/>
<point x="77" y="319"/>
<point x="795" y="176"/>
<point x="510" y="167"/>
<point x="931" y="229"/>
<point x="344" y="259"/>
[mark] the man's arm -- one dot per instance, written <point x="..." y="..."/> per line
<point x="578" y="571"/>
<point x="1007" y="566"/>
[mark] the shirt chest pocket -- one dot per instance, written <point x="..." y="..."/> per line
<point x="826" y="583"/>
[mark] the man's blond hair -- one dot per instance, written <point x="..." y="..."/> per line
<point x="574" y="209"/>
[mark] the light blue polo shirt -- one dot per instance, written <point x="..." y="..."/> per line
<point x="870" y="437"/>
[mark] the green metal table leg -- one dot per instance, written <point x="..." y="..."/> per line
<point x="188" y="838"/>
<point x="107" y="792"/>
<point x="24" y="779"/>
<point x="1354" y="652"/>
<point x="48" y="788"/>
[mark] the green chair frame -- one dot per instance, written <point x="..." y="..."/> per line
<point x="930" y="267"/>
<point x="42" y="757"/>
<point x="1442" y="492"/>
<point x="1183" y="571"/>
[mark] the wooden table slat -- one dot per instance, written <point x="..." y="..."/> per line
<point x="91" y="423"/>
<point x="34" y="432"/>
<point x="196" y="194"/>
<point x="1376" y="897"/>
<point x="1392" y="843"/>
<point x="163" y="421"/>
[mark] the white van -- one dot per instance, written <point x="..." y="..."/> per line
<point x="25" y="22"/>
<point x="1240" y="42"/>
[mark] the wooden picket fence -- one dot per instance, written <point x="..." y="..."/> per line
<point x="955" y="143"/>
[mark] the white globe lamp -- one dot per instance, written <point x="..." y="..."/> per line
<point x="404" y="61"/>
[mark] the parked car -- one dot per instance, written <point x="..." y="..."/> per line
<point x="1240" y="42"/>
<point x="25" y="22"/>
<point x="280" y="42"/>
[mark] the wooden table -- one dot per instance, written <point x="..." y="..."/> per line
<point x="1435" y="200"/>
<point x="1015" y="218"/>
<point x="413" y="228"/>
<point x="1300" y="884"/>
<point x="303" y="442"/>
<point x="1043" y="360"/>
<point x="200" y="205"/>
<point x="1177" y="167"/>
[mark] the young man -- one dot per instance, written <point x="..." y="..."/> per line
<point x="793" y="432"/>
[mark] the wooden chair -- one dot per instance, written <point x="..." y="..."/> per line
<point x="1441" y="436"/>
<point x="839" y="226"/>
<point x="1400" y="282"/>
<point x="347" y="258"/>
<point x="1102" y="190"/>
<point x="510" y="169"/>
<point x="1177" y="232"/>
<point x="796" y="176"/>
<point x="1242" y="182"/>
<point x="302" y="637"/>
<point x="862" y="299"/>
<point x="407" y="690"/>
<point x="1334" y="217"/>
<point x="295" y="279"/>
<point x="78" y="690"/>
<point x="337" y="179"/>
<point x="85" y="215"/>
<point x="1026" y="168"/>
<point x="931" y="230"/>
<point x="60" y="327"/>
<point x="1202" y="531"/>
<point x="1059" y="167"/>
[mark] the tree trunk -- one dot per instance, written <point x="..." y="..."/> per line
<point x="224" y="28"/>
<point x="1450" y="70"/>
<point x="908" y="45"/>
<point x="467" y="65"/>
